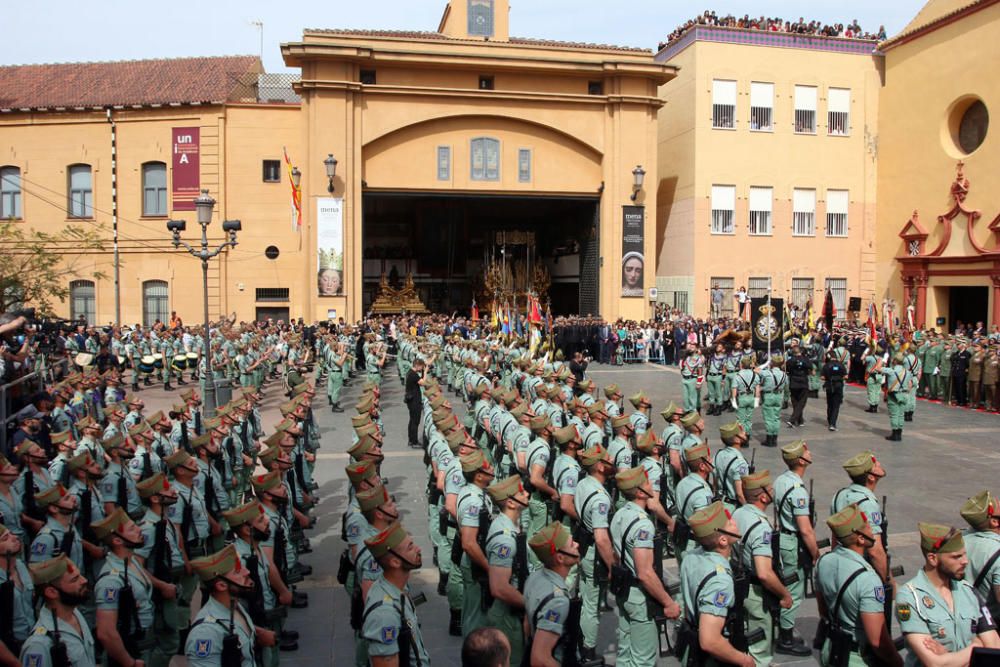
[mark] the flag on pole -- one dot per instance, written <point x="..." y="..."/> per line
<point x="506" y="321"/>
<point x="872" y="322"/>
<point x="475" y="311"/>
<point x="296" y="195"/>
<point x="536" y="316"/>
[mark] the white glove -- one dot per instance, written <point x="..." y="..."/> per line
<point x="937" y="370"/>
<point x="756" y="401"/>
<point x="734" y="404"/>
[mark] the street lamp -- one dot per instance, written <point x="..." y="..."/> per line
<point x="204" y="205"/>
<point x="331" y="170"/>
<point x="638" y="176"/>
<point x="296" y="177"/>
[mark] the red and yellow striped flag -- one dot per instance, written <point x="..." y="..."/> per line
<point x="296" y="195"/>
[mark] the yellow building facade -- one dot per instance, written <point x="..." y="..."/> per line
<point x="455" y="150"/>
<point x="767" y="158"/>
<point x="938" y="207"/>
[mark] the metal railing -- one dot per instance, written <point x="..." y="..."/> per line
<point x="17" y="394"/>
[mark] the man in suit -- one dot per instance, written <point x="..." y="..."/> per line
<point x="412" y="398"/>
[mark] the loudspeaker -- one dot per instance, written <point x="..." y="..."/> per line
<point x="854" y="304"/>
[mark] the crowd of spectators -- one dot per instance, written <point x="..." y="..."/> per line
<point x="852" y="30"/>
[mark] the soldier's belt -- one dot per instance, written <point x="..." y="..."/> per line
<point x="195" y="548"/>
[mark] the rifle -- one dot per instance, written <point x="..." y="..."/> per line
<point x="256" y="604"/>
<point x="58" y="654"/>
<point x="891" y="572"/>
<point x="28" y="496"/>
<point x="231" y="654"/>
<point x="86" y="518"/>
<point x="753" y="456"/>
<point x="736" y="619"/>
<point x="129" y="628"/>
<point x="653" y="609"/>
<point x="7" y="607"/>
<point x="805" y="558"/>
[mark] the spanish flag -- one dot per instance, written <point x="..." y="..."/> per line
<point x="296" y="195"/>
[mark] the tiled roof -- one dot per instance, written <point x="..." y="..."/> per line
<point x="128" y="83"/>
<point x="932" y="14"/>
<point x="524" y="41"/>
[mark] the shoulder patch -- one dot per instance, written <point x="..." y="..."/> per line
<point x="503" y="551"/>
<point x="203" y="648"/>
<point x="602" y="509"/>
<point x="552" y="616"/>
<point x="721" y="599"/>
<point x="801" y="502"/>
<point x="902" y="611"/>
<point x="643" y="535"/>
<point x="38" y="548"/>
<point x="766" y="537"/>
<point x="32" y="660"/>
<point x="110" y="594"/>
<point x="880" y="593"/>
<point x="388" y="634"/>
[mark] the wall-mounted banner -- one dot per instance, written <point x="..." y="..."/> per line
<point x="633" y="243"/>
<point x="186" y="163"/>
<point x="330" y="244"/>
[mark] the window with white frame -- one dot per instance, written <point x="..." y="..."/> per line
<point x="757" y="287"/>
<point x="802" y="291"/>
<point x="723" y="209"/>
<point x="838" y="112"/>
<point x="838" y="288"/>
<point x="760" y="211"/>
<point x="81" y="191"/>
<point x="82" y="302"/>
<point x="805" y="109"/>
<point x="524" y="165"/>
<point x="10" y="193"/>
<point x="723" y="104"/>
<point x="803" y="212"/>
<point x="480" y="14"/>
<point x="724" y="285"/>
<point x="444" y="163"/>
<point x="761" y="106"/>
<point x="154" y="188"/>
<point x="836" y="212"/>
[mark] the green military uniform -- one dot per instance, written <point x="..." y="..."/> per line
<point x="707" y="585"/>
<point x="473" y="508"/>
<point x="773" y="382"/>
<point x="873" y="380"/>
<point x="932" y="370"/>
<point x="692" y="493"/>
<point x="897" y="383"/>
<point x="632" y="528"/>
<point x="502" y="551"/>
<point x="944" y="377"/>
<point x="35" y="652"/>
<point x="546" y="593"/>
<point x="757" y="534"/>
<point x="335" y="376"/>
<point x="716" y="371"/>
<point x="387" y="610"/>
<point x="981" y="544"/>
<point x="845" y="573"/>
<point x="692" y="372"/>
<point x="920" y="608"/>
<point x="745" y="386"/>
<point x="792" y="500"/>
<point x="593" y="505"/>
<point x="730" y="467"/>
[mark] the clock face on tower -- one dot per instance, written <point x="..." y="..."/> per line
<point x="914" y="248"/>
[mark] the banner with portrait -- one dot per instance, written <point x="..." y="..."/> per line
<point x="633" y="245"/>
<point x="767" y="321"/>
<point x="330" y="246"/>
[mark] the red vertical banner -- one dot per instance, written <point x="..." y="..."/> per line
<point x="186" y="162"/>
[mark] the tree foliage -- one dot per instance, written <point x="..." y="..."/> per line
<point x="36" y="265"/>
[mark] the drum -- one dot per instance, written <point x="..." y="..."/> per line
<point x="192" y="360"/>
<point x="84" y="359"/>
<point x="121" y="360"/>
<point x="179" y="362"/>
<point x="146" y="364"/>
<point x="157" y="360"/>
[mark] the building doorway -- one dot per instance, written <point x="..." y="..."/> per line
<point x="968" y="305"/>
<point x="444" y="241"/>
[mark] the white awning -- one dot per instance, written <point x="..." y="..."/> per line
<point x="803" y="201"/>
<point x="839" y="100"/>
<point x="805" y="98"/>
<point x="761" y="95"/>
<point x="760" y="199"/>
<point x="723" y="197"/>
<point x="723" y="92"/>
<point x="837" y="201"/>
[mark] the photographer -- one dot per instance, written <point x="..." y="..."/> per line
<point x="14" y="348"/>
<point x="578" y="365"/>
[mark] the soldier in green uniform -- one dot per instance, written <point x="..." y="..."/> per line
<point x="940" y="605"/>
<point x="851" y="598"/>
<point x="539" y="463"/>
<point x="873" y="377"/>
<point x="944" y="377"/>
<point x="713" y="378"/>
<point x="15" y="582"/>
<point x="773" y="383"/>
<point x="474" y="511"/>
<point x="897" y="383"/>
<point x="547" y="595"/>
<point x="566" y="469"/>
<point x="692" y="375"/>
<point x="61" y="588"/>
<point x="223" y="632"/>
<point x="865" y="472"/>
<point x="336" y="358"/>
<point x="58" y="535"/>
<point x="730" y="465"/>
<point x="982" y="544"/>
<point x="797" y="539"/>
<point x="390" y="625"/>
<point x="123" y="588"/>
<point x="932" y="368"/>
<point x="163" y="559"/>
<point x="709" y="593"/>
<point x="506" y="552"/>
<point x="593" y="506"/>
<point x="692" y="493"/>
<point x="640" y="585"/>
<point x="913" y="368"/>
<point x="746" y="393"/>
<point x="767" y="593"/>
<point x="672" y="437"/>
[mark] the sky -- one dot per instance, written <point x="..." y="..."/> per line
<point x="50" y="31"/>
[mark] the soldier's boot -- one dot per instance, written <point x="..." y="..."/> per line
<point x="288" y="645"/>
<point x="899" y="435"/>
<point x="167" y="387"/>
<point x="443" y="583"/>
<point x="290" y="635"/>
<point x="336" y="407"/>
<point x="180" y="380"/>
<point x="135" y="386"/>
<point x="146" y="382"/>
<point x="789" y="644"/>
<point x="455" y="624"/>
<point x="908" y="416"/>
<point x="588" y="653"/>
